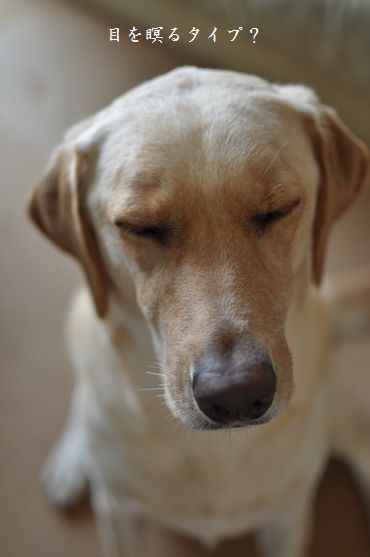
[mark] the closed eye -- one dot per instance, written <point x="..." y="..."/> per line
<point x="157" y="233"/>
<point x="263" y="221"/>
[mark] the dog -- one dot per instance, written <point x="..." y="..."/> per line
<point x="199" y="205"/>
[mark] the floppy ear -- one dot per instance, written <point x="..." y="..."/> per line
<point x="344" y="162"/>
<point x="57" y="207"/>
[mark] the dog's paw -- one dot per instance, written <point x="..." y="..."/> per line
<point x="63" y="475"/>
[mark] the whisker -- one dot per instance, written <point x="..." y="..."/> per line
<point x="277" y="331"/>
<point x="273" y="159"/>
<point x="154" y="373"/>
<point x="158" y="365"/>
<point x="161" y="388"/>
<point x="272" y="190"/>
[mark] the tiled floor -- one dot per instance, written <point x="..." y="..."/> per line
<point x="56" y="66"/>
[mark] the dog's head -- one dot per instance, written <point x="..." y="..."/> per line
<point x="213" y="192"/>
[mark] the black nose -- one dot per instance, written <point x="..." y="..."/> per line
<point x="235" y="394"/>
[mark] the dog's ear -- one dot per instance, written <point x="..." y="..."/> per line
<point x="58" y="207"/>
<point x="344" y="165"/>
<point x="343" y="160"/>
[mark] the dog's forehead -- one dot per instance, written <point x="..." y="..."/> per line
<point x="186" y="82"/>
<point x="205" y="133"/>
<point x="188" y="100"/>
<point x="220" y="112"/>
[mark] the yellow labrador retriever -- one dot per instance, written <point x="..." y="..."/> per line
<point x="199" y="206"/>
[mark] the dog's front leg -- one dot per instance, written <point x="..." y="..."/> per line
<point x="289" y="534"/>
<point x="118" y="528"/>
<point x="64" y="472"/>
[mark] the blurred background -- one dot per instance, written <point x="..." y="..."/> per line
<point x="58" y="65"/>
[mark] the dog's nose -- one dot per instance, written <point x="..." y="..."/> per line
<point x="235" y="394"/>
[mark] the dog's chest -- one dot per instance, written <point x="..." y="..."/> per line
<point x="211" y="485"/>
